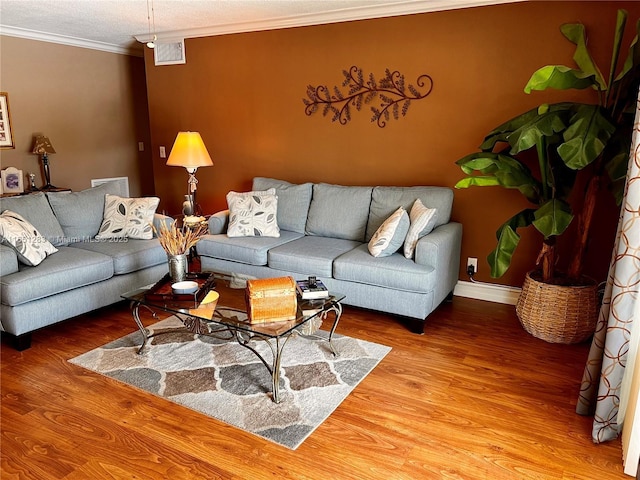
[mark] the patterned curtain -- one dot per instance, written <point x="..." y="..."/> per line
<point x="610" y="349"/>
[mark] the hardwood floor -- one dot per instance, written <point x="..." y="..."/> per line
<point x="476" y="397"/>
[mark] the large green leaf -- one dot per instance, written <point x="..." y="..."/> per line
<point x="585" y="138"/>
<point x="560" y="78"/>
<point x="500" y="258"/>
<point x="621" y="21"/>
<point x="553" y="218"/>
<point x="575" y="33"/>
<point x="478" y="181"/>
<point x="481" y="162"/>
<point x="498" y="169"/>
<point x="544" y="125"/>
<point x="633" y="57"/>
<point x="500" y="133"/>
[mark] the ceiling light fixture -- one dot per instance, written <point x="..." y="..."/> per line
<point x="151" y="15"/>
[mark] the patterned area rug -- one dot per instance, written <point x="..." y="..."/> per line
<point x="228" y="382"/>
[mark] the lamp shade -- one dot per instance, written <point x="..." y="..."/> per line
<point x="42" y="145"/>
<point x="189" y="151"/>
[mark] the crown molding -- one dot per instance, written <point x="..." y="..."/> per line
<point x="71" y="41"/>
<point x="407" y="7"/>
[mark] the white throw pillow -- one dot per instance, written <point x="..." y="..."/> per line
<point x="253" y="214"/>
<point x="390" y="235"/>
<point x="16" y="232"/>
<point x="423" y="220"/>
<point x="127" y="217"/>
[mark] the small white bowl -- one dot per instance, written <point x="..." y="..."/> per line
<point x="184" y="287"/>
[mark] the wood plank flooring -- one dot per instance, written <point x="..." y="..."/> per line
<point x="476" y="397"/>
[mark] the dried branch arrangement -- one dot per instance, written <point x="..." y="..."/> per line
<point x="394" y="95"/>
<point x="178" y="241"/>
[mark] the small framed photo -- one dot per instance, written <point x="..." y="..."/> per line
<point x="6" y="132"/>
<point x="12" y="181"/>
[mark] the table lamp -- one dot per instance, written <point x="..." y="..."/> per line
<point x="42" y="146"/>
<point x="188" y="151"/>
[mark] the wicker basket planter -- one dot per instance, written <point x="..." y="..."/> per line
<point x="557" y="313"/>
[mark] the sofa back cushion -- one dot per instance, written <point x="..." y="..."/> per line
<point x="37" y="211"/>
<point x="340" y="212"/>
<point x="386" y="200"/>
<point x="80" y="213"/>
<point x="293" y="202"/>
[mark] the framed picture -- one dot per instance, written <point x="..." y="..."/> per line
<point x="12" y="181"/>
<point x="6" y="132"/>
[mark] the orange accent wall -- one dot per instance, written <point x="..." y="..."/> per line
<point x="244" y="92"/>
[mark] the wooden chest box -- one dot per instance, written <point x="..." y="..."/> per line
<point x="271" y="299"/>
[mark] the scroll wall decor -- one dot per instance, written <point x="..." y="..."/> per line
<point x="393" y="93"/>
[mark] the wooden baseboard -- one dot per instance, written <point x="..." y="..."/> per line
<point x="487" y="291"/>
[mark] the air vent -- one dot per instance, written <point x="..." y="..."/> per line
<point x="169" y="53"/>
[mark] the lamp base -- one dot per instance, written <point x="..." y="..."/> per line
<point x="48" y="186"/>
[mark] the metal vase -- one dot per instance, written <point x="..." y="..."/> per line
<point x="177" y="267"/>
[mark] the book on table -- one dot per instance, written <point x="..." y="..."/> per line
<point x="311" y="288"/>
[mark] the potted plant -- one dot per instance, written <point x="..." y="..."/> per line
<point x="568" y="139"/>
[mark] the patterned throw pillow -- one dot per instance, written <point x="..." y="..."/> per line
<point x="16" y="232"/>
<point x="253" y="214"/>
<point x="423" y="220"/>
<point x="390" y="235"/>
<point x="127" y="217"/>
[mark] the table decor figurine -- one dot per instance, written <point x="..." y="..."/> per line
<point x="177" y="242"/>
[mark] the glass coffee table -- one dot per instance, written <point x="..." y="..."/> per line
<point x="218" y="309"/>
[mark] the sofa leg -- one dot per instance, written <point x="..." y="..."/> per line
<point x="19" y="342"/>
<point x="416" y="325"/>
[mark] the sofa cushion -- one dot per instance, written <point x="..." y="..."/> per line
<point x="385" y="200"/>
<point x="128" y="256"/>
<point x="128" y="217"/>
<point x="8" y="260"/>
<point x="311" y="255"/>
<point x="253" y="214"/>
<point x="37" y="211"/>
<point x="249" y="250"/>
<point x="17" y="233"/>
<point x="293" y="202"/>
<point x="395" y="271"/>
<point x="80" y="213"/>
<point x="340" y="212"/>
<point x="390" y="236"/>
<point x="423" y="221"/>
<point x="69" y="268"/>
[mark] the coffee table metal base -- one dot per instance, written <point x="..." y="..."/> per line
<point x="244" y="338"/>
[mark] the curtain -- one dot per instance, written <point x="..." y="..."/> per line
<point x="612" y="348"/>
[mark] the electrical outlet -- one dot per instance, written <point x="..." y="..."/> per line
<point x="472" y="265"/>
<point x="141" y="146"/>
<point x="163" y="153"/>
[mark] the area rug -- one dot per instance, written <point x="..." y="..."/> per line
<point x="226" y="381"/>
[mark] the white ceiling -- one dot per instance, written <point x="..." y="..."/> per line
<point x="114" y="25"/>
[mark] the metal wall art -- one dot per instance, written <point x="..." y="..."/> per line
<point x="393" y="96"/>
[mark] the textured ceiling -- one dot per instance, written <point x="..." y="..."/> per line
<point x="113" y="24"/>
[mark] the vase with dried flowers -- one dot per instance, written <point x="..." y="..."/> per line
<point x="177" y="242"/>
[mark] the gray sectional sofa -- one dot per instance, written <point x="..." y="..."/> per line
<point x="325" y="230"/>
<point x="83" y="275"/>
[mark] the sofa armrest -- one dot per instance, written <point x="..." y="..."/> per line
<point x="8" y="260"/>
<point x="441" y="250"/>
<point x="218" y="222"/>
<point x="159" y="219"/>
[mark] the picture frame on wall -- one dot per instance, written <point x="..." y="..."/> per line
<point x="6" y="132"/>
<point x="12" y="180"/>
